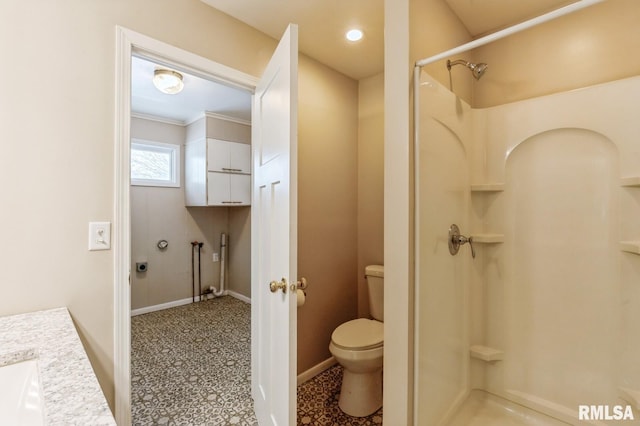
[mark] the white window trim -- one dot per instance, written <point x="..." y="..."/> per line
<point x="175" y="175"/>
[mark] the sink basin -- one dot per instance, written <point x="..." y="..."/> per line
<point x="21" y="399"/>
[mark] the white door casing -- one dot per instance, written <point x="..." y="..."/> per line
<point x="274" y="236"/>
<point x="129" y="42"/>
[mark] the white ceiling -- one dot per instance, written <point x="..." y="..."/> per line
<point x="322" y="25"/>
<point x="199" y="95"/>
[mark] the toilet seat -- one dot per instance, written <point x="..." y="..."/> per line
<point x="359" y="334"/>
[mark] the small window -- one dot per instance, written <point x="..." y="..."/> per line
<point x="155" y="163"/>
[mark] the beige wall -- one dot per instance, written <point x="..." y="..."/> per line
<point x="327" y="206"/>
<point x="228" y="130"/>
<point x="370" y="182"/>
<point x="239" y="251"/>
<point x="159" y="213"/>
<point x="591" y="46"/>
<point x="434" y="28"/>
<point x="59" y="174"/>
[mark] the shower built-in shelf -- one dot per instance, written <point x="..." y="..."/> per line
<point x="486" y="353"/>
<point x="488" y="238"/>
<point x="630" y="181"/>
<point x="487" y="187"/>
<point x="630" y="246"/>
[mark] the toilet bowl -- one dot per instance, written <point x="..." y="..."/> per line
<point x="358" y="347"/>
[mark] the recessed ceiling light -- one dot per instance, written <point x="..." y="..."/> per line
<point x="354" y="35"/>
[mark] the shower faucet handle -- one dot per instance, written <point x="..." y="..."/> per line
<point x="456" y="240"/>
<point x="463" y="240"/>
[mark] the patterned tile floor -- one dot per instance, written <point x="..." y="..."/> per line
<point x="191" y="365"/>
<point x="318" y="402"/>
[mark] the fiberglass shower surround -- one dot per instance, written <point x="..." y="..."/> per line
<point x="543" y="320"/>
<point x="545" y="315"/>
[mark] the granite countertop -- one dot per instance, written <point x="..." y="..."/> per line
<point x="72" y="395"/>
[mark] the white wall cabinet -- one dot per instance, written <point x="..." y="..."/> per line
<point x="228" y="157"/>
<point x="228" y="189"/>
<point x="217" y="173"/>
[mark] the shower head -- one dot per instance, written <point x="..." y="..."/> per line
<point x="477" y="70"/>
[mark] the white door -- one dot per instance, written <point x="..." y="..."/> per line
<point x="274" y="236"/>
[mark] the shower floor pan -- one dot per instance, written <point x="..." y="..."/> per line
<point x="485" y="409"/>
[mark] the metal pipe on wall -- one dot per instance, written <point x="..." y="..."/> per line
<point x="200" y="270"/>
<point x="193" y="269"/>
<point x="195" y="244"/>
<point x="223" y="251"/>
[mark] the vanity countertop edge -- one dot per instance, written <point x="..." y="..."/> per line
<point x="72" y="395"/>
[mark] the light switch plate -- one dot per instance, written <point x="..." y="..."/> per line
<point x="99" y="236"/>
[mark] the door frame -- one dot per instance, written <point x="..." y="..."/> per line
<point x="130" y="43"/>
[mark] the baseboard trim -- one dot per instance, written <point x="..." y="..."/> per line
<point x="148" y="309"/>
<point x="238" y="296"/>
<point x="315" y="370"/>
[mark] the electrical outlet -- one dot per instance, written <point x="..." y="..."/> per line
<point x="216" y="257"/>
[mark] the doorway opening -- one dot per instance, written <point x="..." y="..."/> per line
<point x="130" y="45"/>
<point x="189" y="362"/>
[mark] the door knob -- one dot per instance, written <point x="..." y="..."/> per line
<point x="278" y="285"/>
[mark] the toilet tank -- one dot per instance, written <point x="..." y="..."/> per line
<point x="375" y="283"/>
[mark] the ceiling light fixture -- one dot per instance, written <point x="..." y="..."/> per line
<point x="167" y="81"/>
<point x="354" y="35"/>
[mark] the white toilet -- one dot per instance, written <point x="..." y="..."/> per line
<point x="357" y="345"/>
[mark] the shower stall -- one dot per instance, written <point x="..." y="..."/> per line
<point x="542" y="319"/>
